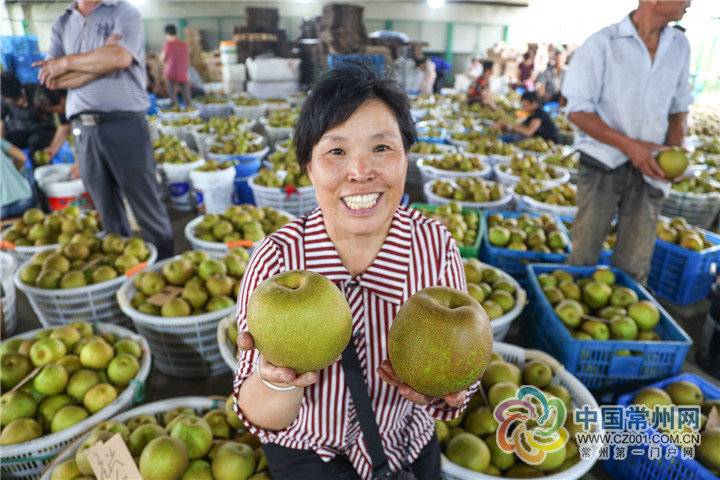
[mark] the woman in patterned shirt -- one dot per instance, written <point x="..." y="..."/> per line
<point x="353" y="137"/>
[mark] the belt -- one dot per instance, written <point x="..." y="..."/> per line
<point x="90" y="119"/>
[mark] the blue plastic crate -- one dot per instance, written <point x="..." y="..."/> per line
<point x="472" y="251"/>
<point x="515" y="262"/>
<point x="594" y="361"/>
<point x="605" y="255"/>
<point x="19" y="44"/>
<point x="23" y="66"/>
<point x="680" y="275"/>
<point x="376" y="62"/>
<point x="640" y="466"/>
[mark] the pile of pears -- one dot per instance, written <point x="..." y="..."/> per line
<point x="210" y="98"/>
<point x="529" y="167"/>
<point x="245" y="101"/>
<point x="179" y="443"/>
<point x="182" y="121"/>
<point x="469" y="190"/>
<point x="86" y="260"/>
<point x="489" y="146"/>
<point x="699" y="185"/>
<point x="215" y="166"/>
<point x="238" y="143"/>
<point x="208" y="285"/>
<point x="595" y="308"/>
<point x="470" y="440"/>
<point x="37" y="229"/>
<point x="426" y="148"/>
<point x="171" y="151"/>
<point x="463" y="226"/>
<point x="177" y="109"/>
<point x="223" y="126"/>
<point x="569" y="162"/>
<point x="282" y="119"/>
<point x="289" y="176"/>
<point x="679" y="232"/>
<point x="431" y="132"/>
<point x="537" y="144"/>
<point x="456" y="162"/>
<point x="527" y="232"/>
<point x="240" y="222"/>
<point x="487" y="285"/>
<point x="285" y="160"/>
<point x="685" y="392"/>
<point x="471" y="136"/>
<point x="288" y="144"/>
<point x="81" y="373"/>
<point x="564" y="195"/>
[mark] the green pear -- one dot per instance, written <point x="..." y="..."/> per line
<point x="684" y="393"/>
<point x="480" y="422"/>
<point x="468" y="451"/>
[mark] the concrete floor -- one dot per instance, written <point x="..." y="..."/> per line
<point x="161" y="386"/>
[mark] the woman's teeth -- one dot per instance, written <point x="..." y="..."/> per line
<point x="361" y="202"/>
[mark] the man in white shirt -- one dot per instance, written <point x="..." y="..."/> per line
<point x="627" y="91"/>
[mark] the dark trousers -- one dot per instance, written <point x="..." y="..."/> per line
<point x="292" y="464"/>
<point x="439" y="81"/>
<point x="182" y="87"/>
<point x="34" y="140"/>
<point x="601" y="194"/>
<point x="116" y="160"/>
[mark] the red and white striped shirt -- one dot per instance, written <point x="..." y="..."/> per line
<point x="417" y="253"/>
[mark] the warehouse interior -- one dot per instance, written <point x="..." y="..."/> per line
<point x="257" y="65"/>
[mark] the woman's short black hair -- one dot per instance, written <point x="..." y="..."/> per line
<point x="338" y="95"/>
<point x="488" y="65"/>
<point x="44" y="97"/>
<point x="170" y="29"/>
<point x="531" y="97"/>
<point x="10" y="85"/>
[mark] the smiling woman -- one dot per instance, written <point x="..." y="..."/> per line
<point x="355" y="418"/>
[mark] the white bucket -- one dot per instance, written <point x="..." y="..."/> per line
<point x="61" y="192"/>
<point x="213" y="190"/>
<point x="228" y="52"/>
<point x="178" y="180"/>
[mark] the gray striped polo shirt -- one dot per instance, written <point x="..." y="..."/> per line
<point x="122" y="90"/>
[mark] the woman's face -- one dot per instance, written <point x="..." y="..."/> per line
<point x="358" y="170"/>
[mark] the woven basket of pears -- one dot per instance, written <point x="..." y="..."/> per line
<point x="177" y="304"/>
<point x="48" y="423"/>
<point x="475" y="443"/>
<point x="206" y="438"/>
<point x="227" y="333"/>
<point x="78" y="282"/>
<point x="271" y="189"/>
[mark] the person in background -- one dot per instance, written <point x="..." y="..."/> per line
<point x="480" y="89"/>
<point x="538" y="123"/>
<point x="197" y="88"/>
<point x="52" y="102"/>
<point x="526" y="71"/>
<point x="475" y="69"/>
<point x="549" y="83"/>
<point x="353" y="137"/>
<point x="176" y="56"/>
<point x="21" y="124"/>
<point x="106" y="103"/>
<point x="16" y="194"/>
<point x="627" y="107"/>
<point x="436" y="69"/>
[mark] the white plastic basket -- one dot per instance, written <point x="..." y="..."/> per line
<point x="276" y="134"/>
<point x="250" y="111"/>
<point x="7" y="266"/>
<point x="502" y="324"/>
<point x="413" y="177"/>
<point x="428" y="173"/>
<point x="511" y="180"/>
<point x="182" y="346"/>
<point x="533" y="206"/>
<point x="436" y="200"/>
<point x="222" y="156"/>
<point x="170" y="116"/>
<point x="26" y="461"/>
<point x="579" y="395"/>
<point x="698" y="209"/>
<point x="92" y="303"/>
<point x="208" y="110"/>
<point x="488" y="159"/>
<point x="201" y="405"/>
<point x="227" y="349"/>
<point x="23" y="253"/>
<point x="215" y="249"/>
<point x="183" y="132"/>
<point x="299" y="203"/>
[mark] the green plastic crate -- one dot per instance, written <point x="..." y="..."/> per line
<point x="465" y="252"/>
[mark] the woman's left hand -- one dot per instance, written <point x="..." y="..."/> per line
<point x="387" y="373"/>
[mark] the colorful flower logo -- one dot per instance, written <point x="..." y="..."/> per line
<point x="547" y="433"/>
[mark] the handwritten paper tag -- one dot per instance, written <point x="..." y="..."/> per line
<point x="112" y="460"/>
<point x="164" y="295"/>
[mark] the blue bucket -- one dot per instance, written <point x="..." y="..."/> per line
<point x="246" y="168"/>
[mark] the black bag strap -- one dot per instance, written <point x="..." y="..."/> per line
<point x="363" y="409"/>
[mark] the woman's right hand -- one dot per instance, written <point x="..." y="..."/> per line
<point x="278" y="376"/>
